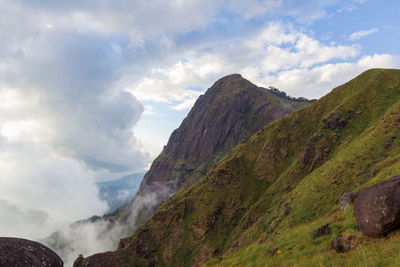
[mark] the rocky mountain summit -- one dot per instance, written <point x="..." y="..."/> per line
<point x="229" y="112"/>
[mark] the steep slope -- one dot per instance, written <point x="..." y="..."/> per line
<point x="261" y="204"/>
<point x="228" y="113"/>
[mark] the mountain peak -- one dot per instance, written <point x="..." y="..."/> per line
<point x="229" y="112"/>
<point x="230" y="82"/>
<point x="231" y="77"/>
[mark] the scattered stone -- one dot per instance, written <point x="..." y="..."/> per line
<point x="337" y="244"/>
<point x="286" y="212"/>
<point x="389" y="142"/>
<point x="235" y="245"/>
<point x="23" y="252"/>
<point x="344" y="243"/>
<point x="377" y="208"/>
<point x="334" y="122"/>
<point x="321" y="231"/>
<point x="347" y="199"/>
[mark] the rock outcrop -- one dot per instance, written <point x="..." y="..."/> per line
<point x="377" y="208"/>
<point x="263" y="197"/>
<point x="229" y="112"/>
<point x="23" y="252"/>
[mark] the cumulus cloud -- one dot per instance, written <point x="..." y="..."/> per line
<point x="62" y="119"/>
<point x="361" y="34"/>
<point x="277" y="54"/>
<point x="318" y="81"/>
<point x="65" y="83"/>
<point x="263" y="57"/>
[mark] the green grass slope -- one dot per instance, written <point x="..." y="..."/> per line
<point x="349" y="133"/>
<point x="261" y="204"/>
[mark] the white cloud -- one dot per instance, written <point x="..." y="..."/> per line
<point x="67" y="97"/>
<point x="276" y="48"/>
<point x="254" y="8"/>
<point x="148" y="110"/>
<point x="61" y="119"/>
<point x="277" y="55"/>
<point x="282" y="47"/>
<point x="45" y="190"/>
<point x="185" y="105"/>
<point x="360" y="34"/>
<point x="172" y="83"/>
<point x="318" y="81"/>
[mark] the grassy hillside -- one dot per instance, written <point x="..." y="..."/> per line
<point x="261" y="204"/>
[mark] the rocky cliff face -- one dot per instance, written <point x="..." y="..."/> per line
<point x="227" y="114"/>
<point x="261" y="204"/>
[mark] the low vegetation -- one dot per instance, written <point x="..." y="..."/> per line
<point x="261" y="204"/>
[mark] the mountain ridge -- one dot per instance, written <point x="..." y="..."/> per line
<point x="230" y="111"/>
<point x="262" y="202"/>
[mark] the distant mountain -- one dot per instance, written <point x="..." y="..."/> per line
<point x="229" y="112"/>
<point x="120" y="191"/>
<point x="273" y="200"/>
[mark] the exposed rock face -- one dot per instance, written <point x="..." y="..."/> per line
<point x="347" y="199"/>
<point x="229" y="112"/>
<point x="377" y="208"/>
<point x="22" y="252"/>
<point x="242" y="200"/>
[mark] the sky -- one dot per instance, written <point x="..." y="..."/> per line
<point x="91" y="89"/>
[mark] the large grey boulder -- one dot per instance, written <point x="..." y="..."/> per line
<point x="377" y="208"/>
<point x="18" y="252"/>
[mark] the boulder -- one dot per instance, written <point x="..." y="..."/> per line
<point x="377" y="208"/>
<point x="22" y="252"/>
<point x="347" y="199"/>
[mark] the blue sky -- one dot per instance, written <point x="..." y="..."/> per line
<point x="91" y="90"/>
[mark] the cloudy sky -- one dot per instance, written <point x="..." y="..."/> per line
<point x="91" y="89"/>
